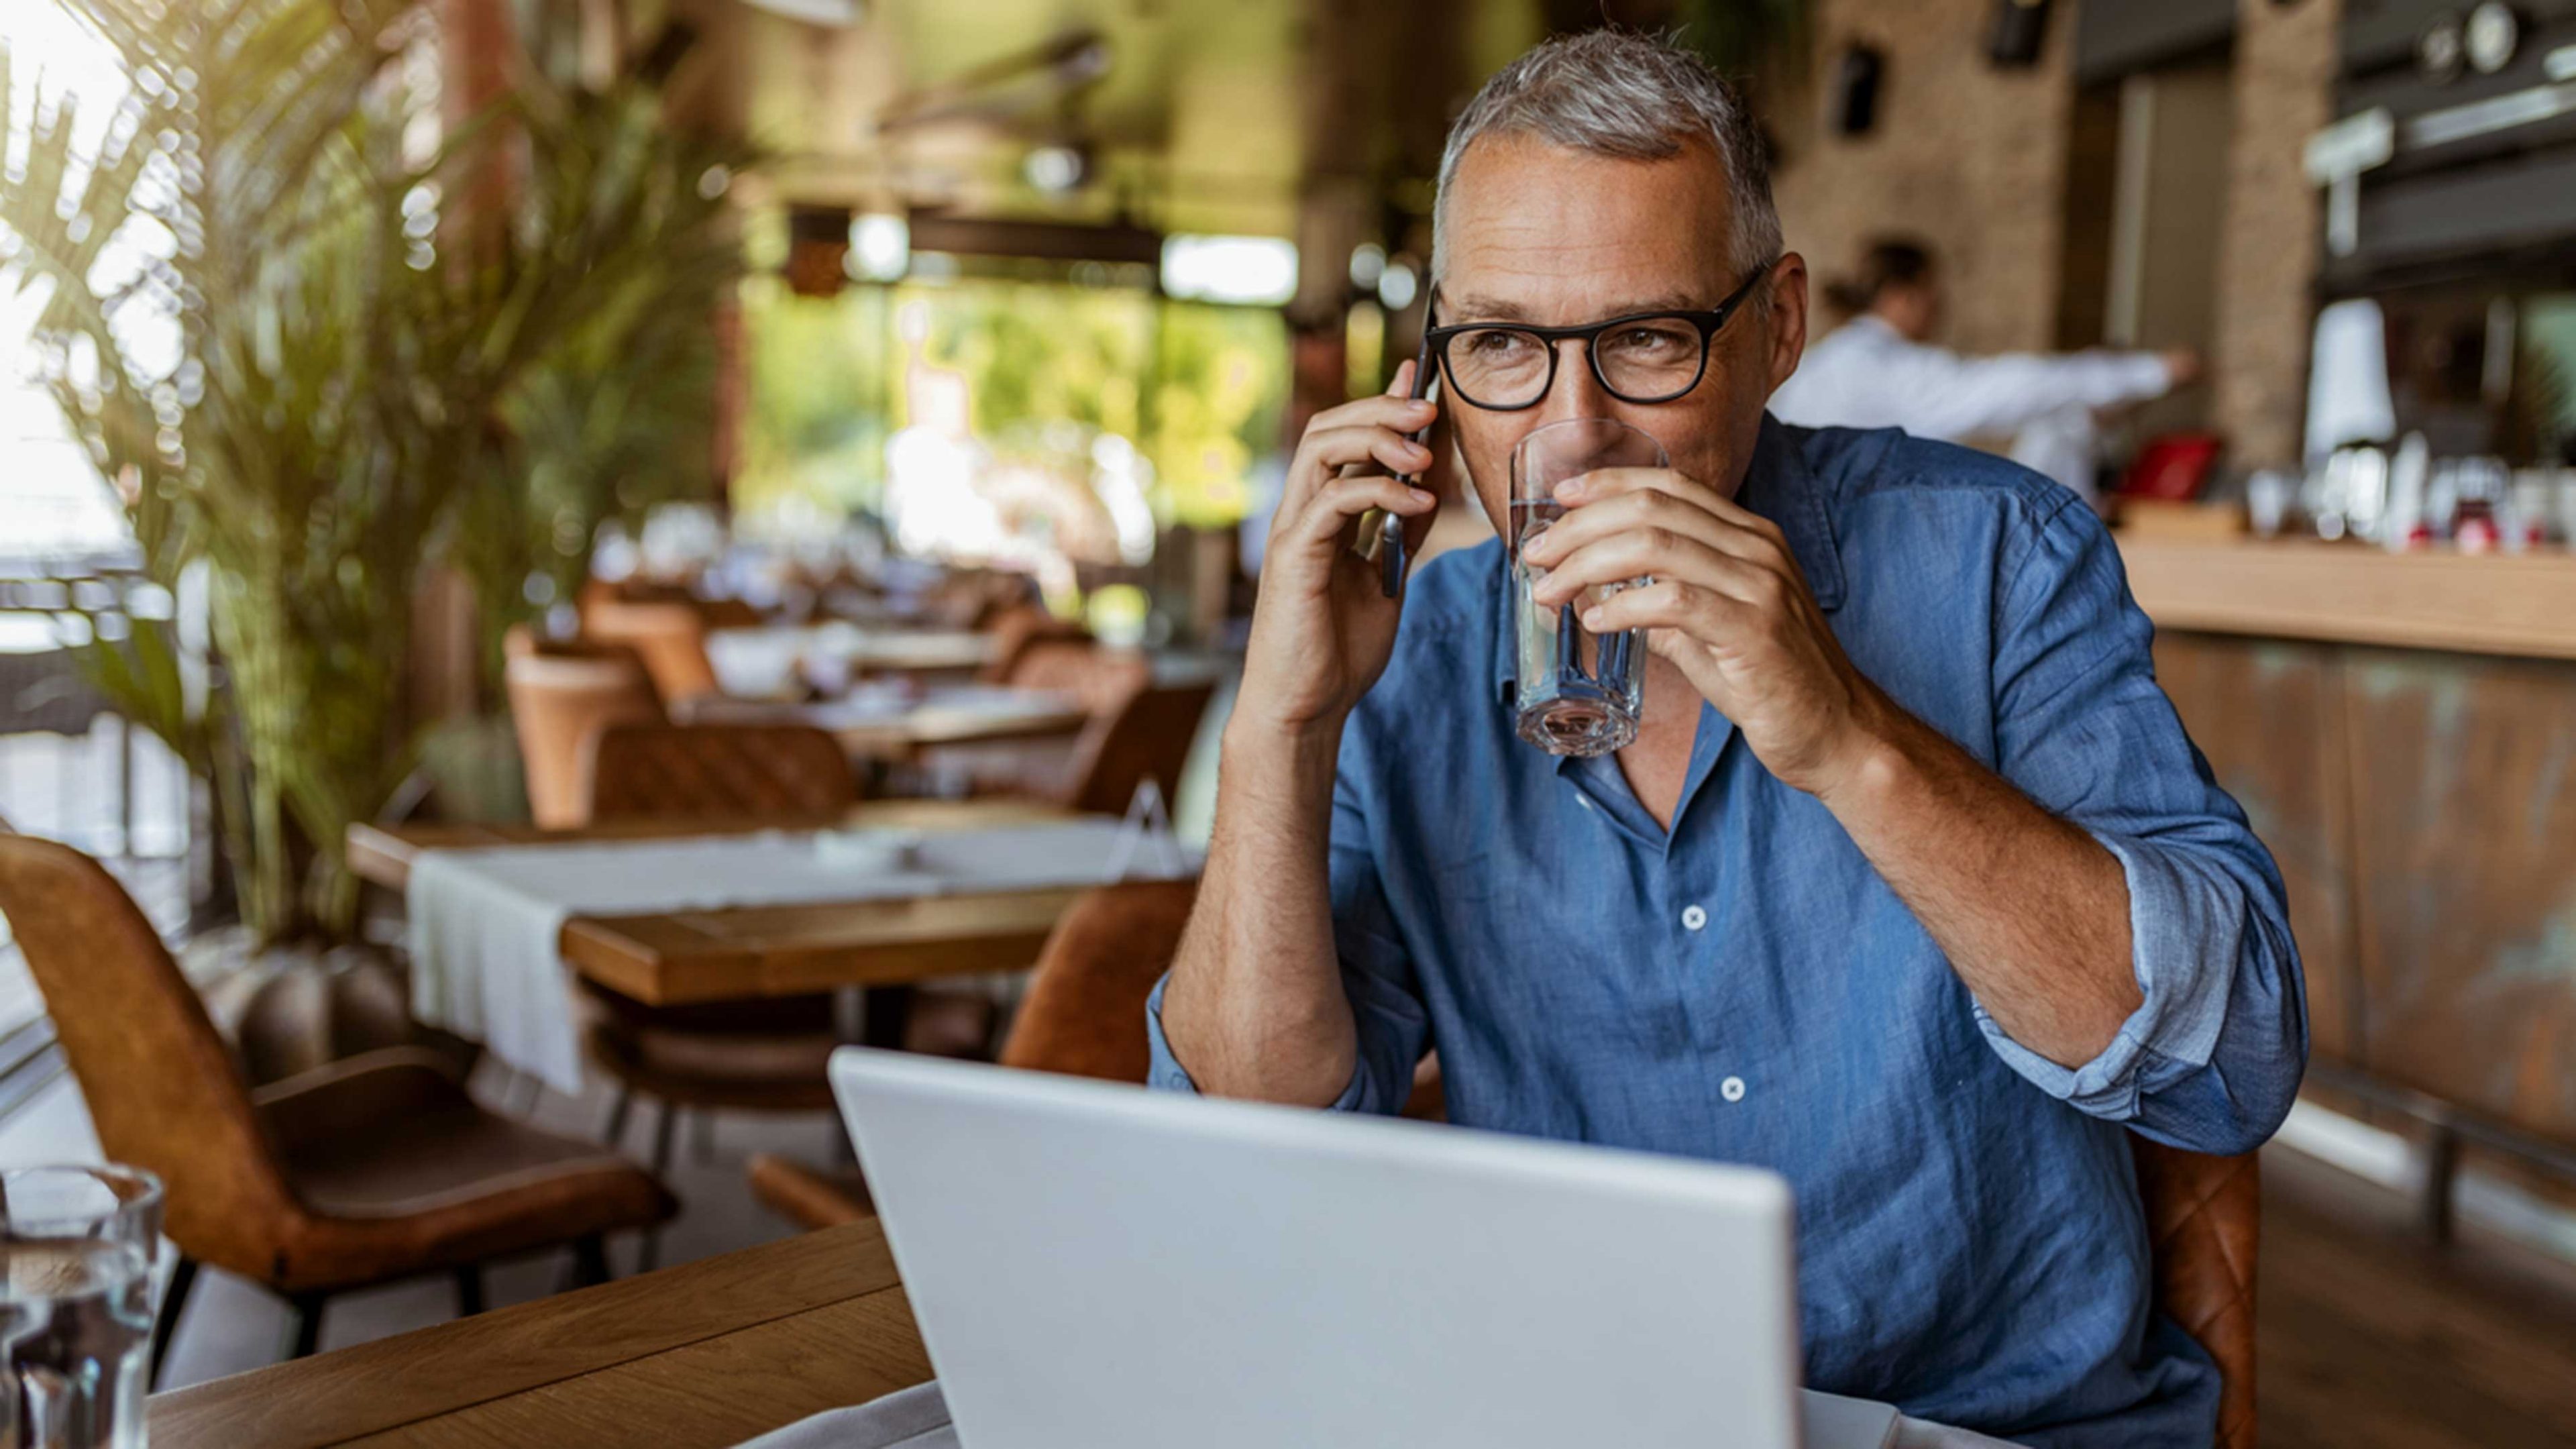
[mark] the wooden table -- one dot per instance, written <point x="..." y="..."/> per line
<point x="674" y="957"/>
<point x="694" y="1357"/>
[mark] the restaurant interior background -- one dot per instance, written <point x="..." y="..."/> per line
<point x="851" y="329"/>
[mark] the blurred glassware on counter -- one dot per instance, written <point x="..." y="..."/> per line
<point x="2270" y="495"/>
<point x="2476" y="504"/>
<point x="76" y="1304"/>
<point x="2349" y="400"/>
<point x="2402" y="521"/>
<point x="2527" y="517"/>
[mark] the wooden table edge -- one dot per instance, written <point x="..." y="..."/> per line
<point x="202" y="1413"/>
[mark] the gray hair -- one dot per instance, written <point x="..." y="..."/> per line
<point x="1622" y="94"/>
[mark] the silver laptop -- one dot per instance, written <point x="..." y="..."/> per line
<point x="1096" y="1265"/>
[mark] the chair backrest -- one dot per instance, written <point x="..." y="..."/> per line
<point x="562" y="693"/>
<point x="2204" y="1220"/>
<point x="162" y="1091"/>
<point x="636" y="770"/>
<point x="1146" y="738"/>
<point x="1014" y="631"/>
<point x="1101" y="677"/>
<point x="669" y="635"/>
<point x="1084" y="1014"/>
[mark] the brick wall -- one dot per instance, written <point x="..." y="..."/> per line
<point x="2284" y="83"/>
<point x="1969" y="156"/>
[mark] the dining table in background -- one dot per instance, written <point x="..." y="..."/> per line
<point x="753" y="661"/>
<point x="672" y="958"/>
<point x="877" y="725"/>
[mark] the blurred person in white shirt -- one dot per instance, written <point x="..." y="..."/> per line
<point x="1879" y="370"/>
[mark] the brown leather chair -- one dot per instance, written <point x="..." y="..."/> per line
<point x="1146" y="738"/>
<point x="561" y="693"/>
<point x="641" y="770"/>
<point x="370" y="1169"/>
<point x="2204" y="1221"/>
<point x="1015" y="630"/>
<point x="1084" y="1016"/>
<point x="1101" y="677"/>
<point x="668" y="634"/>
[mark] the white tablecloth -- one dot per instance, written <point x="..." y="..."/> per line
<point x="917" y="1418"/>
<point x="484" y="923"/>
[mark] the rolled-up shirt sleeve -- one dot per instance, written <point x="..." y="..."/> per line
<point x="1377" y="976"/>
<point x="2211" y="1058"/>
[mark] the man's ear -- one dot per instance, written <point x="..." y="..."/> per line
<point x="1788" y="317"/>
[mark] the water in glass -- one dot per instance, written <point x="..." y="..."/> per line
<point x="1578" y="693"/>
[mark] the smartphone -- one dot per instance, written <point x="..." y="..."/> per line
<point x="1381" y="534"/>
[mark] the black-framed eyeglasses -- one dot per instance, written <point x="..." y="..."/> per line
<point x="1645" y="357"/>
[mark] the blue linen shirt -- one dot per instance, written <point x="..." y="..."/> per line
<point x="1745" y="988"/>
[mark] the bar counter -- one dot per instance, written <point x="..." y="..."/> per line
<point x="2505" y="604"/>
<point x="2401" y="730"/>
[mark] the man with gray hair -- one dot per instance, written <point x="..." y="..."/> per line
<point x="1910" y="886"/>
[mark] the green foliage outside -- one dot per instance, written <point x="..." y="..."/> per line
<point x="354" y="366"/>
<point x="1200" y="387"/>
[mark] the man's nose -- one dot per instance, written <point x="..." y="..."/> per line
<point x="1574" y="392"/>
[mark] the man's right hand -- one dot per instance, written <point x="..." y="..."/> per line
<point x="1323" y="627"/>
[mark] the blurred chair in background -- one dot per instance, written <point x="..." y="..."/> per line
<point x="561" y="694"/>
<point x="1146" y="738"/>
<point x="370" y="1169"/>
<point x="648" y="770"/>
<point x="1084" y="1016"/>
<point x="1101" y="677"/>
<point x="1015" y="630"/>
<point x="756" y="1054"/>
<point x="668" y="631"/>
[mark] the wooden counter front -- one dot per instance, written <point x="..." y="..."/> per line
<point x="2401" y="729"/>
<point x="2509" y="604"/>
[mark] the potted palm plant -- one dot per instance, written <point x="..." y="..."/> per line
<point x="257" y="317"/>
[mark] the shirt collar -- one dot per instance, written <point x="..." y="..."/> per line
<point x="1778" y="486"/>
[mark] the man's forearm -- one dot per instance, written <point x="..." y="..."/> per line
<point x="2032" y="912"/>
<point x="1255" y="1007"/>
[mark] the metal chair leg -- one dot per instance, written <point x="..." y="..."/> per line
<point x="702" y="1136"/>
<point x="469" y="1290"/>
<point x="614" y="1134"/>
<point x="665" y="1127"/>
<point x="304" y="1324"/>
<point x="183" y="1276"/>
<point x="589" y="1265"/>
<point x="648" y="1253"/>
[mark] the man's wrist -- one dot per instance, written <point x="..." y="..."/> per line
<point x="1873" y="762"/>
<point x="1272" y="759"/>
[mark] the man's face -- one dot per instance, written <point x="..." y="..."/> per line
<point x="1554" y="237"/>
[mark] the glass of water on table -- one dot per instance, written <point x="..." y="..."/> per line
<point x="1579" y="693"/>
<point x="78" y="1245"/>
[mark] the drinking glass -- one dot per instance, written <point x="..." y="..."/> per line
<point x="77" y="1244"/>
<point x="1579" y="694"/>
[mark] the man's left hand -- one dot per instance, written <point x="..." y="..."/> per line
<point x="1727" y="604"/>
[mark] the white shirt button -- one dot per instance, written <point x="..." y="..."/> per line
<point x="1583" y="800"/>
<point x="1693" y="918"/>
<point x="1732" y="1089"/>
